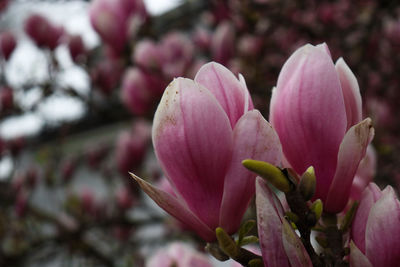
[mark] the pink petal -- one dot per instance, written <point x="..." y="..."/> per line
<point x="295" y="251"/>
<point x="177" y="209"/>
<point x="352" y="150"/>
<point x="357" y="259"/>
<point x="365" y="173"/>
<point x="370" y="195"/>
<point x="193" y="141"/>
<point x="229" y="91"/>
<point x="324" y="47"/>
<point x="270" y="217"/>
<point x="351" y="93"/>
<point x="254" y="138"/>
<point x="307" y="111"/>
<point x="382" y="235"/>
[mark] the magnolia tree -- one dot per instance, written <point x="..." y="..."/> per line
<point x="239" y="121"/>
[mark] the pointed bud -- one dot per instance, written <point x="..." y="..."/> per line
<point x="269" y="172"/>
<point x="226" y="243"/>
<point x="308" y="183"/>
<point x="316" y="208"/>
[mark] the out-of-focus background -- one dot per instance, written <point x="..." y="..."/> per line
<point x="79" y="84"/>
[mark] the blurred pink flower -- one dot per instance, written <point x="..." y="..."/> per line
<point x="76" y="48"/>
<point x="43" y="32"/>
<point x="179" y="255"/>
<point x="112" y="20"/>
<point x="222" y="43"/>
<point x="177" y="54"/>
<point x="140" y="90"/>
<point x="131" y="148"/>
<point x="7" y="44"/>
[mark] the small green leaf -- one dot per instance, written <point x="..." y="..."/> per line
<point x="226" y="243"/>
<point x="248" y="240"/>
<point x="348" y="218"/>
<point x="245" y="228"/>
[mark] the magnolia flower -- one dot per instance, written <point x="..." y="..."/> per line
<point x="316" y="111"/>
<point x="375" y="231"/>
<point x="202" y="130"/>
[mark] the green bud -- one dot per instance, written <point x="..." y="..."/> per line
<point x="316" y="208"/>
<point x="308" y="183"/>
<point x="244" y="229"/>
<point x="269" y="172"/>
<point x="348" y="218"/>
<point x="226" y="243"/>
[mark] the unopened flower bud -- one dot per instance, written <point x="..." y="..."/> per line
<point x="317" y="207"/>
<point x="269" y="172"/>
<point x="308" y="183"/>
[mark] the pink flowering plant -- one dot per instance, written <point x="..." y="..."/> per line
<point x="311" y="161"/>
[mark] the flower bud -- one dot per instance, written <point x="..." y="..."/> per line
<point x="308" y="183"/>
<point x="7" y="44"/>
<point x="269" y="172"/>
<point x="222" y="48"/>
<point x="76" y="48"/>
<point x="323" y="131"/>
<point x="42" y="32"/>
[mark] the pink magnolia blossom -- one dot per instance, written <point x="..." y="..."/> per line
<point x="222" y="43"/>
<point x="375" y="230"/>
<point x="280" y="245"/>
<point x="316" y="111"/>
<point x="140" y="90"/>
<point x="76" y="48"/>
<point x="177" y="54"/>
<point x="147" y="54"/>
<point x="7" y="44"/>
<point x="202" y="131"/>
<point x="112" y="20"/>
<point x="43" y="32"/>
<point x="131" y="147"/>
<point x="179" y="255"/>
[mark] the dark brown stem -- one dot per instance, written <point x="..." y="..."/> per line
<point x="299" y="206"/>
